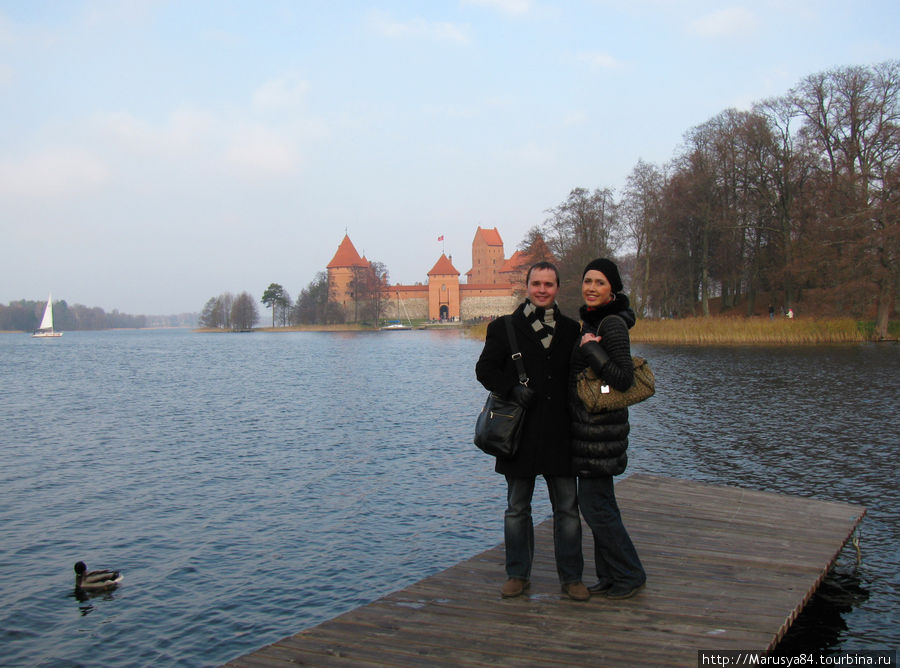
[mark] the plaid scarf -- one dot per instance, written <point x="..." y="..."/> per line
<point x="542" y="321"/>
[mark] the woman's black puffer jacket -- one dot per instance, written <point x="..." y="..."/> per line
<point x="600" y="440"/>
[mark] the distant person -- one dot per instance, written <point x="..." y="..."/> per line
<point x="600" y="440"/>
<point x="771" y="312"/>
<point x="790" y="314"/>
<point x="545" y="338"/>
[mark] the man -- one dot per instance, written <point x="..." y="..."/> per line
<point x="545" y="339"/>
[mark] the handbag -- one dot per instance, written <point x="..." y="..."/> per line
<point x="597" y="396"/>
<point x="499" y="425"/>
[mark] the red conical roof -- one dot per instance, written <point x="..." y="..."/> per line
<point x="443" y="267"/>
<point x="346" y="256"/>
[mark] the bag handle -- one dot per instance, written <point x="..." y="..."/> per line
<point x="607" y="317"/>
<point x="514" y="348"/>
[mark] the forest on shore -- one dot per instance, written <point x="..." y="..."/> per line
<point x="792" y="204"/>
<point x="25" y="316"/>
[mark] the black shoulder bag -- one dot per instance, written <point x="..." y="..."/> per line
<point x="499" y="424"/>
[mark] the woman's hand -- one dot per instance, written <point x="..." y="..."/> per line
<point x="587" y="337"/>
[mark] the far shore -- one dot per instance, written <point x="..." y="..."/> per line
<point x="343" y="327"/>
<point x="711" y="331"/>
<point x="687" y="331"/>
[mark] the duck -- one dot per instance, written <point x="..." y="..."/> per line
<point x="95" y="580"/>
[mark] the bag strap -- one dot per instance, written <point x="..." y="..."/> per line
<point x="605" y="318"/>
<point x="514" y="348"/>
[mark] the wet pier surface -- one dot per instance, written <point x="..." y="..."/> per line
<point x="728" y="569"/>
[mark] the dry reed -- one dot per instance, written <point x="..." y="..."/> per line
<point x="748" y="331"/>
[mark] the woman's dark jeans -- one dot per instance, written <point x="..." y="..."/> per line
<point x="615" y="558"/>
<point x="518" y="528"/>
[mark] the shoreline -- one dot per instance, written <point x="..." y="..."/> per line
<point x="696" y="331"/>
<point x="346" y="327"/>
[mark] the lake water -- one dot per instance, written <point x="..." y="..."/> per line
<point x="249" y="486"/>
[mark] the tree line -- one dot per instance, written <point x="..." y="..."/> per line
<point x="227" y="311"/>
<point x="798" y="194"/>
<point x="25" y="316"/>
<point x="367" y="293"/>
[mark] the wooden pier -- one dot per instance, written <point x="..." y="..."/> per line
<point x="728" y="569"/>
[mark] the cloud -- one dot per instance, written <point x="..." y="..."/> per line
<point x="575" y="117"/>
<point x="52" y="173"/>
<point x="6" y="74"/>
<point x="258" y="152"/>
<point x="115" y="13"/>
<point x="599" y="60"/>
<point x="418" y="28"/>
<point x="514" y="7"/>
<point x="287" y="92"/>
<point x="725" y="23"/>
<point x="185" y="132"/>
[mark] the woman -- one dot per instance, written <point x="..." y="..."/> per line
<point x="600" y="440"/>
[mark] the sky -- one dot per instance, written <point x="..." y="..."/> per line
<point x="155" y="154"/>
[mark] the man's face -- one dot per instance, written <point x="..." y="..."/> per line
<point x="542" y="287"/>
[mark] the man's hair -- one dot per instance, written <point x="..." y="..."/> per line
<point x="542" y="265"/>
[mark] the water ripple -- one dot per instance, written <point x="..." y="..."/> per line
<point x="250" y="486"/>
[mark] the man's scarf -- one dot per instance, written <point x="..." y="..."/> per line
<point x="542" y="321"/>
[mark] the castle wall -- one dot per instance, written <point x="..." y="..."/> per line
<point x="487" y="301"/>
<point x="473" y="308"/>
<point x="414" y="306"/>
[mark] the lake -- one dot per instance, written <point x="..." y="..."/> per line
<point x="251" y="485"/>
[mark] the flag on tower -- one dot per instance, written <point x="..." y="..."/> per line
<point x="441" y="238"/>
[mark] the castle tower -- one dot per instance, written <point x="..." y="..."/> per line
<point x="443" y="290"/>
<point x="487" y="257"/>
<point x="341" y="270"/>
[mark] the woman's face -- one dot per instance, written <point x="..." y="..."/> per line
<point x="595" y="289"/>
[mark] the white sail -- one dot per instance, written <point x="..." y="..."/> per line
<point x="47" y="320"/>
<point x="46" y="328"/>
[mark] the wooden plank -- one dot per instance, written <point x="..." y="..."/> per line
<point x="728" y="568"/>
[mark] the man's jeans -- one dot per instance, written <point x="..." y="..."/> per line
<point x="518" y="528"/>
<point x="615" y="558"/>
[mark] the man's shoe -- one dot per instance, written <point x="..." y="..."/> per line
<point x="576" y="591"/>
<point x="514" y="587"/>
<point x="617" y="592"/>
<point x="600" y="588"/>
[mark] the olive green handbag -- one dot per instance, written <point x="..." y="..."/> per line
<point x="597" y="396"/>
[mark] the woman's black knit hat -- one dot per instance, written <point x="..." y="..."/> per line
<point x="609" y="269"/>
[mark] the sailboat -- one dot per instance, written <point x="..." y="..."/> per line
<point x="397" y="324"/>
<point x="46" y="328"/>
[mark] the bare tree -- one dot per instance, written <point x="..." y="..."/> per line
<point x="852" y="120"/>
<point x="369" y="285"/>
<point x="217" y="312"/>
<point x="641" y="216"/>
<point x="583" y="227"/>
<point x="244" y="313"/>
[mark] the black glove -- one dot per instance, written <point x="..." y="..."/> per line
<point x="522" y="395"/>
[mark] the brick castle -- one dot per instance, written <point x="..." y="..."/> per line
<point x="494" y="285"/>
